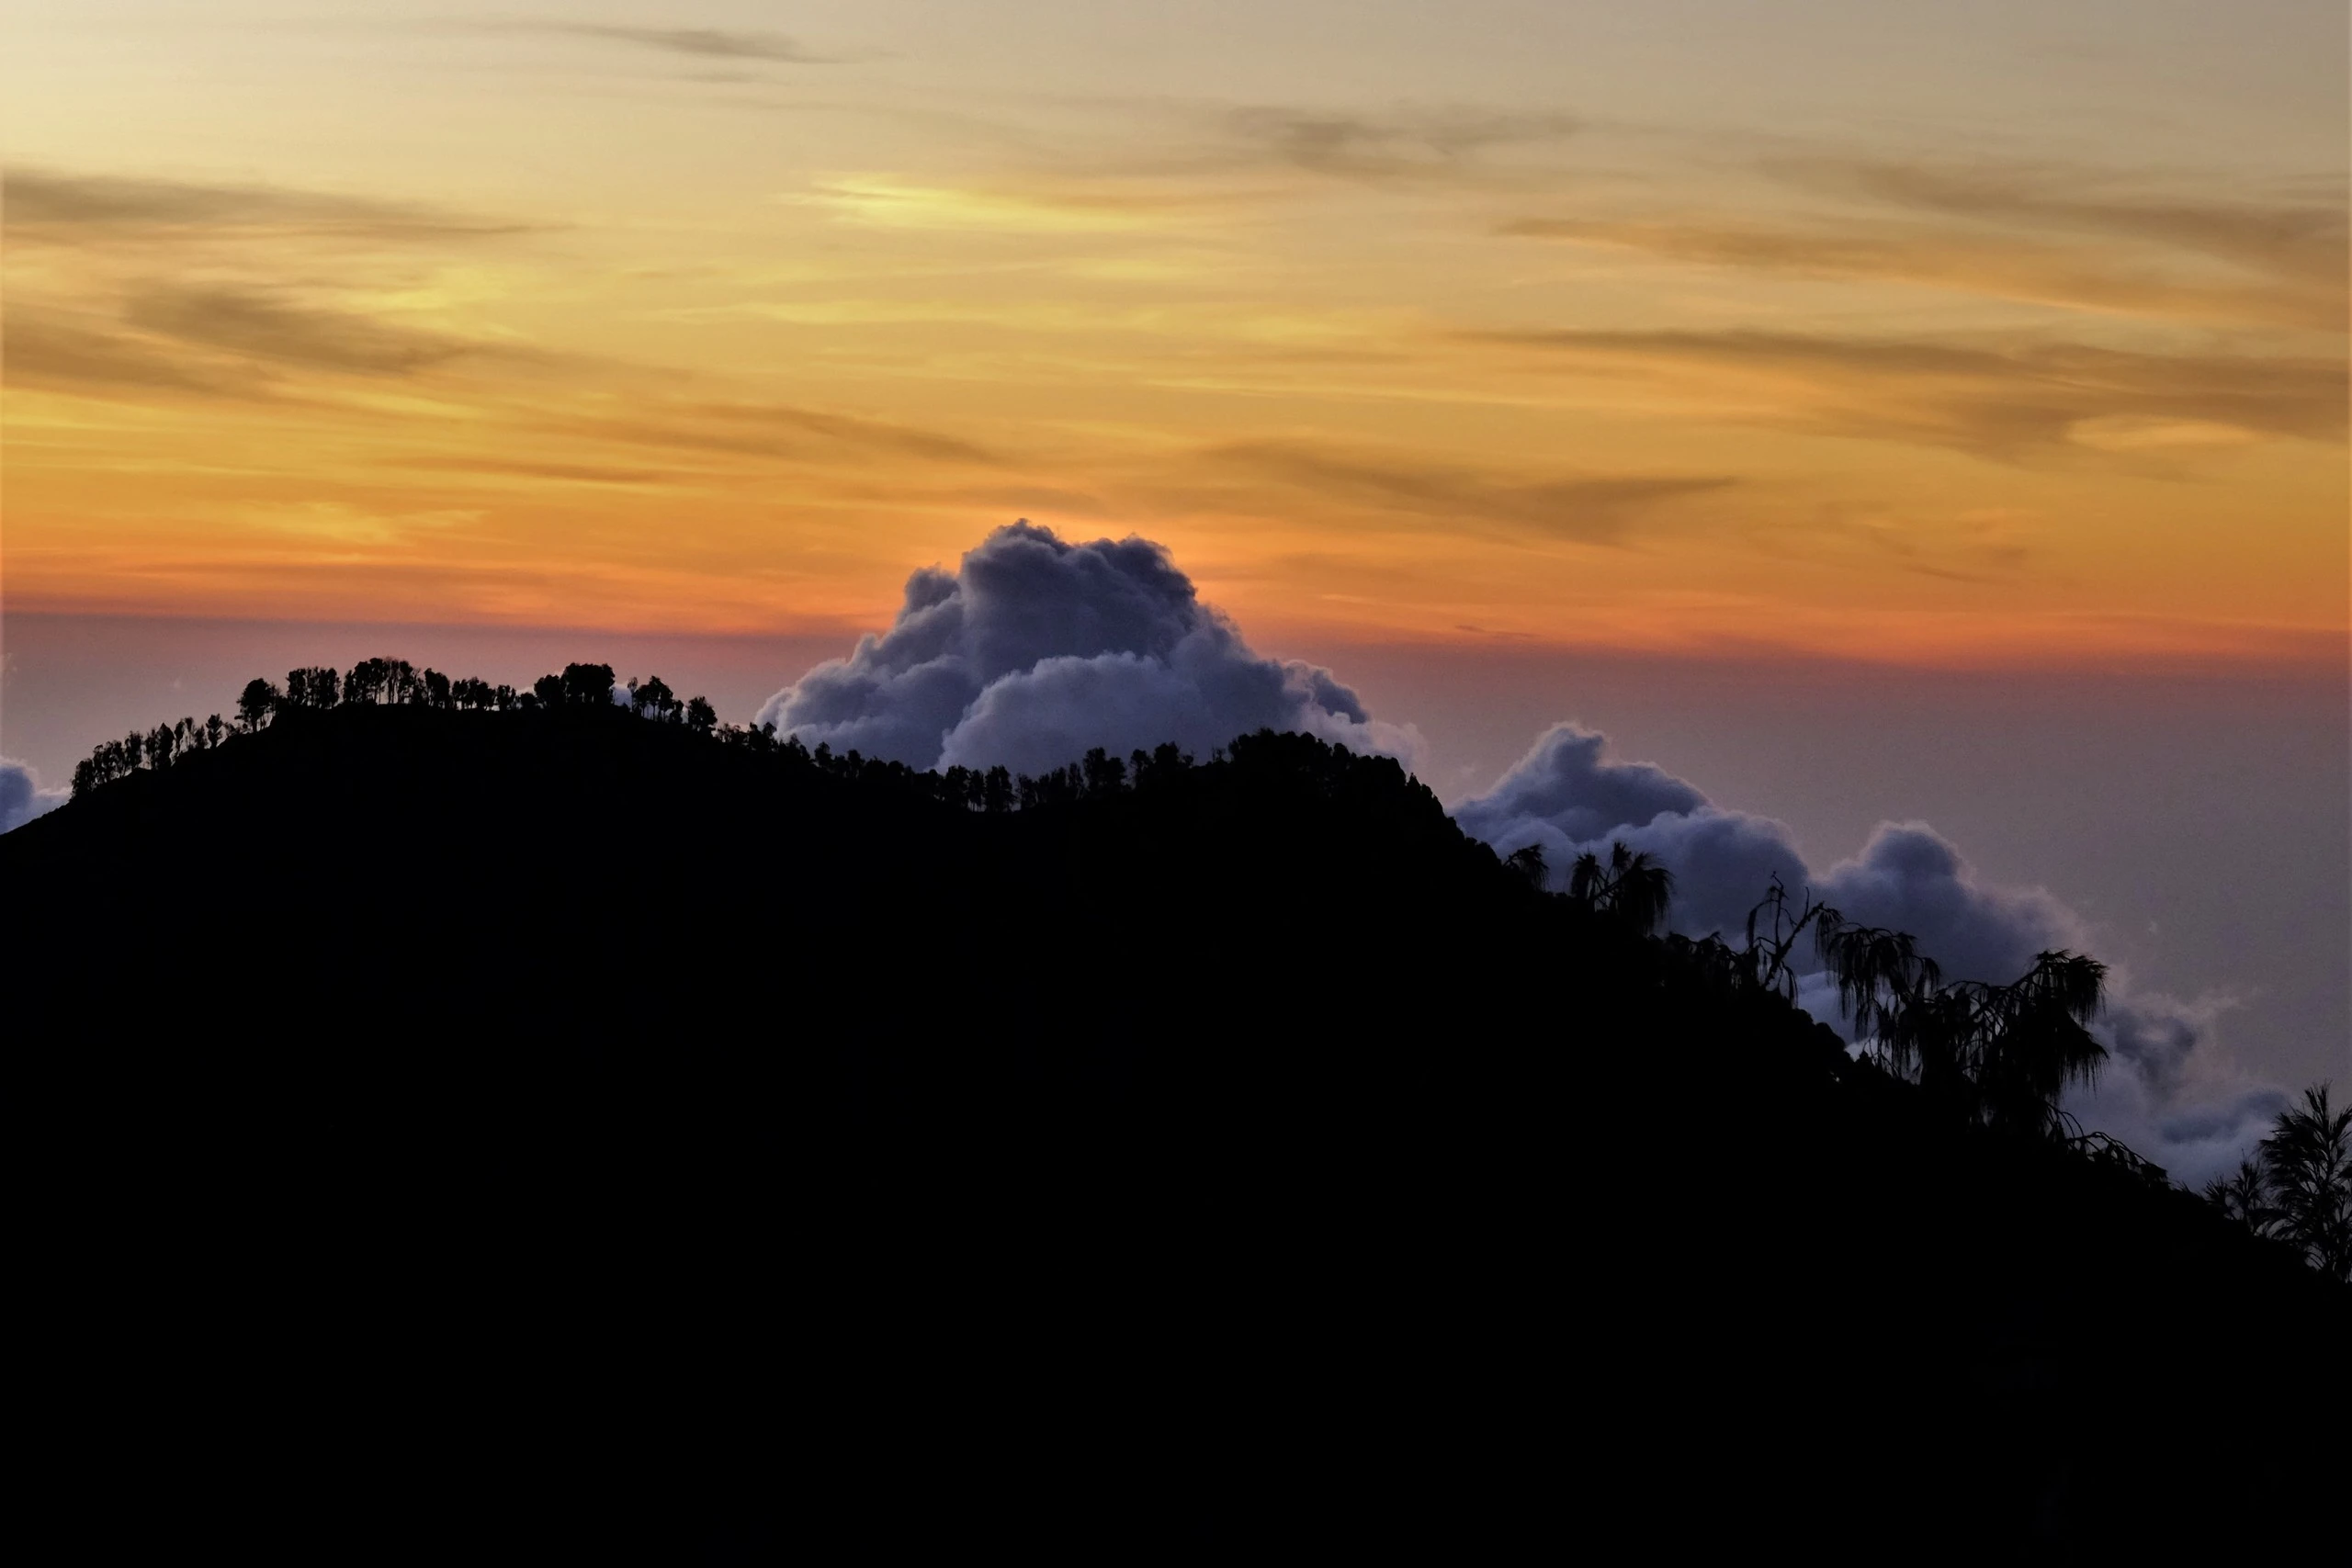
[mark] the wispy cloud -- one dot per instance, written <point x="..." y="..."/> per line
<point x="1599" y="509"/>
<point x="2010" y="401"/>
<point x="242" y="322"/>
<point x="2071" y="237"/>
<point x="772" y="431"/>
<point x="889" y="201"/>
<point x="533" y="472"/>
<point x="2027" y="271"/>
<point x="92" y="209"/>
<point x="1402" y="142"/>
<point x="47" y="349"/>
<point x="700" y="43"/>
<point x="2304" y="240"/>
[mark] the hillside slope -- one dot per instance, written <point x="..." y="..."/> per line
<point x="1246" y="1122"/>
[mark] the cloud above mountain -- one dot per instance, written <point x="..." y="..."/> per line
<point x="2167" y="1089"/>
<point x="21" y="796"/>
<point x="1035" y="650"/>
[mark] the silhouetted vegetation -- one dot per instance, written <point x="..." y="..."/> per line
<point x="1318" y="1175"/>
<point x="1632" y="890"/>
<point x="1997" y="1057"/>
<point x="2297" y="1187"/>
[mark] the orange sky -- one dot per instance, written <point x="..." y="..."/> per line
<point x="2016" y="337"/>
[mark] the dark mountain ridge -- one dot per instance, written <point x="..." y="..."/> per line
<point x="1290" y="1165"/>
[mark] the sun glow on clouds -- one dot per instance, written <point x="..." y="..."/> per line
<point x="895" y="203"/>
<point x="423" y="328"/>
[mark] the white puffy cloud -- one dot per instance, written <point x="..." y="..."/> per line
<point x="1036" y="650"/>
<point x="2167" y="1090"/>
<point x="21" y="796"/>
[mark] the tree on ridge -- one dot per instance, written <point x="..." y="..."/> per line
<point x="2307" y="1161"/>
<point x="1633" y="889"/>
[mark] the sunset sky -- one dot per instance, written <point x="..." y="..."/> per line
<point x="2001" y="333"/>
<point x="1871" y="410"/>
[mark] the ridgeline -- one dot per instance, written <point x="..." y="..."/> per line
<point x="1207" y="1152"/>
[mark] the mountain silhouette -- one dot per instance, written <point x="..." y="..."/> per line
<point x="554" y="1126"/>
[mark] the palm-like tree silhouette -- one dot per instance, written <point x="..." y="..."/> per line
<point x="1773" y="926"/>
<point x="1633" y="889"/>
<point x="2003" y="1054"/>
<point x="2244" y="1196"/>
<point x="1879" y="971"/>
<point x="2307" y="1162"/>
<point x="2032" y="1043"/>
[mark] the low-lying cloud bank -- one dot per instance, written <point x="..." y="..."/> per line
<point x="21" y="796"/>
<point x="1036" y="650"/>
<point x="2166" y="1090"/>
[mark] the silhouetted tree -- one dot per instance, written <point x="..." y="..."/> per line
<point x="2000" y="1054"/>
<point x="2244" y="1196"/>
<point x="700" y="715"/>
<point x="1633" y="889"/>
<point x="369" y="681"/>
<point x="1163" y="764"/>
<point x="1773" y="926"/>
<point x="1105" y="774"/>
<point x="1528" y="862"/>
<point x="1879" y="971"/>
<point x="437" y="689"/>
<point x="2307" y="1161"/>
<point x="548" y="690"/>
<point x="586" y="685"/>
<point x="315" y="687"/>
<point x="255" y="704"/>
<point x="996" y="792"/>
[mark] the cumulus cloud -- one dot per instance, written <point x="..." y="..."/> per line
<point x="21" y="796"/>
<point x="1036" y="650"/>
<point x="1911" y="878"/>
<point x="1567" y="795"/>
<point x="2167" y="1090"/>
<point x="2170" y="1094"/>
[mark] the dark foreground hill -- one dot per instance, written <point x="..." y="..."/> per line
<point x="498" y="1133"/>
